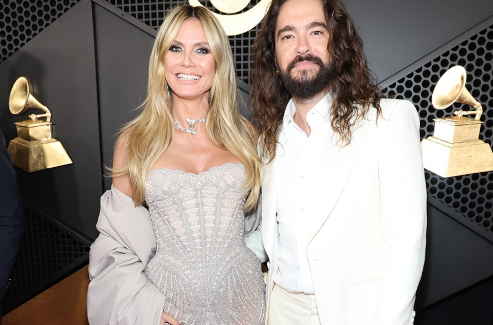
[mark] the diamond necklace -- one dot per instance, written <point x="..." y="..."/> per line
<point x="191" y="123"/>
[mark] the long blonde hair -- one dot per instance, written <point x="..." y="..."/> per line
<point x="151" y="133"/>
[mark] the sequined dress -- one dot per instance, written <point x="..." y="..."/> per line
<point x="202" y="264"/>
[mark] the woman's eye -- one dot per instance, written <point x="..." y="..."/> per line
<point x="203" y="50"/>
<point x="175" y="48"/>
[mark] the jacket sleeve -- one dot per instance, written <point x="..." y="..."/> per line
<point x="11" y="217"/>
<point x="403" y="214"/>
<point x="119" y="292"/>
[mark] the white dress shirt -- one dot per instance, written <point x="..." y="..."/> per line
<point x="299" y="161"/>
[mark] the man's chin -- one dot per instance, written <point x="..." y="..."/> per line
<point x="304" y="75"/>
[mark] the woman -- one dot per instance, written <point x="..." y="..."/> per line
<point x="190" y="157"/>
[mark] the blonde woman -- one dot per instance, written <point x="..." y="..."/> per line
<point x="189" y="156"/>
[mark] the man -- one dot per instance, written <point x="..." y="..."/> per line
<point x="344" y="199"/>
<point x="11" y="219"/>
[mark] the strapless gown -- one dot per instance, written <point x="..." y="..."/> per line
<point x="202" y="264"/>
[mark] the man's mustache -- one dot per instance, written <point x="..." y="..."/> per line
<point x="306" y="57"/>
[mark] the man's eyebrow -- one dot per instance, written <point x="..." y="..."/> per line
<point x="317" y="24"/>
<point x="313" y="24"/>
<point x="287" y="28"/>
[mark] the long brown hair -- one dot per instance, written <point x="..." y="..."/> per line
<point x="353" y="89"/>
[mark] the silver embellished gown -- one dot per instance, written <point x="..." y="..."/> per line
<point x="202" y="264"/>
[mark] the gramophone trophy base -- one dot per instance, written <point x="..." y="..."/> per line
<point x="33" y="156"/>
<point x="36" y="130"/>
<point x="454" y="129"/>
<point x="453" y="159"/>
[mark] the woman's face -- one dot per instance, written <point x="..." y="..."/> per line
<point x="189" y="64"/>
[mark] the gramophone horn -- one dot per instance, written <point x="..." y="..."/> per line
<point x="451" y="89"/>
<point x="21" y="98"/>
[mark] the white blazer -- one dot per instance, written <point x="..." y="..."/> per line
<point x="368" y="230"/>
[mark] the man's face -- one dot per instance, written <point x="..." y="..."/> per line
<point x="301" y="40"/>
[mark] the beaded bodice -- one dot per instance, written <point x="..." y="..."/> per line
<point x="202" y="264"/>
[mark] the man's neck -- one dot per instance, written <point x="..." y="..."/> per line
<point x="303" y="106"/>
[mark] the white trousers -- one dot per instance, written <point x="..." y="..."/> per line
<point x="286" y="308"/>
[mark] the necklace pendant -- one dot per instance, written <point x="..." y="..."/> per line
<point x="191" y="124"/>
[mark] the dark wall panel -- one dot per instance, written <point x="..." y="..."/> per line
<point x="398" y="33"/>
<point x="123" y="49"/>
<point x="60" y="62"/>
<point x="472" y="306"/>
<point x="456" y="259"/>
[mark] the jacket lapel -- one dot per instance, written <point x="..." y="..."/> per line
<point x="335" y="169"/>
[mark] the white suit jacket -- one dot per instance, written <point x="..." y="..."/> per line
<point x="367" y="245"/>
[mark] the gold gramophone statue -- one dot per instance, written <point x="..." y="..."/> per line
<point x="455" y="148"/>
<point x="34" y="149"/>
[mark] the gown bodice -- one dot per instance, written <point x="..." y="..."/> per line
<point x="202" y="264"/>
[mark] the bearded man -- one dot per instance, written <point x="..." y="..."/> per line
<point x="344" y="198"/>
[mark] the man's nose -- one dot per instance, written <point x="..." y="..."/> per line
<point x="303" y="46"/>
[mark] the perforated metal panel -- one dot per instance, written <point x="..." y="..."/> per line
<point x="471" y="196"/>
<point x="21" y="20"/>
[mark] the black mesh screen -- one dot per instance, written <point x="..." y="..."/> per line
<point x="21" y="20"/>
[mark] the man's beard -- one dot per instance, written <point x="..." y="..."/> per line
<point x="305" y="86"/>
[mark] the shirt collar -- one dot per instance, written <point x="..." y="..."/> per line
<point x="322" y="108"/>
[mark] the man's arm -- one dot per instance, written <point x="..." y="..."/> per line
<point x="403" y="214"/>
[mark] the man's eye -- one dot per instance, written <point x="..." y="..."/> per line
<point x="287" y="37"/>
<point x="203" y="50"/>
<point x="175" y="48"/>
<point x="317" y="32"/>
